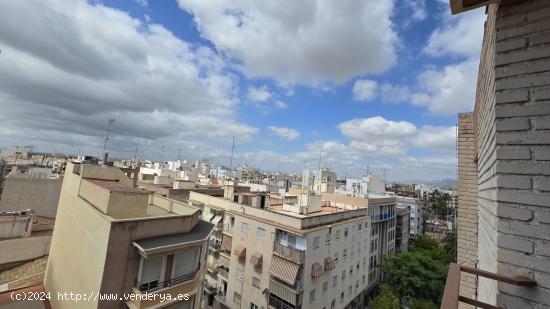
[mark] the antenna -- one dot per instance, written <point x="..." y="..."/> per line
<point x="135" y="154"/>
<point x="232" y="150"/>
<point x="161" y="153"/>
<point x="179" y="154"/>
<point x="108" y="135"/>
<point x="320" y="157"/>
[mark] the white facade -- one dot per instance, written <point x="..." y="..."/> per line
<point x="416" y="214"/>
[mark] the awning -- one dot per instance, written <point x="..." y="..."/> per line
<point x="216" y="219"/>
<point x="256" y="259"/>
<point x="284" y="270"/>
<point x="329" y="264"/>
<point x="240" y="251"/>
<point x="316" y="270"/>
<point x="226" y="242"/>
<point x="155" y="245"/>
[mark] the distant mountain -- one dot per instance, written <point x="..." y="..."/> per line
<point x="442" y="182"/>
<point x="446" y="182"/>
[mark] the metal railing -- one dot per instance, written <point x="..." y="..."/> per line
<point x="156" y="285"/>
<point x="278" y="304"/>
<point x="451" y="296"/>
<point x="292" y="254"/>
<point x="222" y="272"/>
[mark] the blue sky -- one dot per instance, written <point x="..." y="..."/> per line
<point x="375" y="83"/>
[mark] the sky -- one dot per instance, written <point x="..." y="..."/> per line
<point x="350" y="84"/>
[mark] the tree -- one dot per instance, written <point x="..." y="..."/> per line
<point x="439" y="202"/>
<point x="419" y="303"/>
<point x="449" y="246"/>
<point x="386" y="299"/>
<point x="420" y="272"/>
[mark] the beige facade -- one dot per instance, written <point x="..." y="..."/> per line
<point x="111" y="237"/>
<point x="273" y="257"/>
<point x="467" y="245"/>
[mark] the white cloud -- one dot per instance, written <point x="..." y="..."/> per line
<point x="396" y="137"/>
<point x="258" y="94"/>
<point x="394" y="93"/>
<point x="143" y="3"/>
<point x="449" y="90"/>
<point x="60" y="82"/>
<point x="300" y="42"/>
<point x="460" y="35"/>
<point x="280" y="104"/>
<point x="436" y="138"/>
<point x="376" y="129"/>
<point x="417" y="9"/>
<point x="364" y="90"/>
<point x="283" y="132"/>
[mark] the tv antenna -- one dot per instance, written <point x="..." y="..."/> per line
<point x="108" y="134"/>
<point x="232" y="151"/>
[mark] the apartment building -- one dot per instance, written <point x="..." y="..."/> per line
<point x="504" y="169"/>
<point x="402" y="229"/>
<point x="112" y="237"/>
<point x="300" y="251"/>
<point x="319" y="181"/>
<point x="416" y="214"/>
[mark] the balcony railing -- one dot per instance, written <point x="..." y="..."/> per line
<point x="222" y="272"/>
<point x="156" y="285"/>
<point x="279" y="304"/>
<point x="451" y="296"/>
<point x="292" y="254"/>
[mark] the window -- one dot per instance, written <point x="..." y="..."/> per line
<point x="349" y="290"/>
<point x="237" y="299"/>
<point x="325" y="286"/>
<point x="336" y="255"/>
<point x="244" y="228"/>
<point x="333" y="304"/>
<point x="359" y="226"/>
<point x="363" y="279"/>
<point x="327" y="239"/>
<point x="256" y="282"/>
<point x="312" y="296"/>
<point x="254" y="306"/>
<point x="343" y="275"/>
<point x="342" y="297"/>
<point x="334" y="281"/>
<point x="337" y="234"/>
<point x="260" y="233"/>
<point x="346" y="230"/>
<point x="240" y="274"/>
<point x="366" y="225"/>
<point x="345" y="253"/>
<point x="315" y="242"/>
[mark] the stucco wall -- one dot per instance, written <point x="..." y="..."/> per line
<point x="38" y="194"/>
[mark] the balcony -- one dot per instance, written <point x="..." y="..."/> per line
<point x="187" y="284"/>
<point x="292" y="254"/>
<point x="210" y="287"/>
<point x="223" y="273"/>
<point x="451" y="296"/>
<point x="214" y="245"/>
<point x="155" y="285"/>
<point x="276" y="303"/>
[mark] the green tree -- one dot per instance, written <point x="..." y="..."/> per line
<point x="418" y="303"/>
<point x="420" y="272"/>
<point x="449" y="245"/>
<point x="386" y="299"/>
<point x="439" y="202"/>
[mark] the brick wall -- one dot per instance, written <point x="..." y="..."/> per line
<point x="486" y="159"/>
<point x="513" y="119"/>
<point x="467" y="203"/>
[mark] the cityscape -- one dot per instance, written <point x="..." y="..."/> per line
<point x="358" y="154"/>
